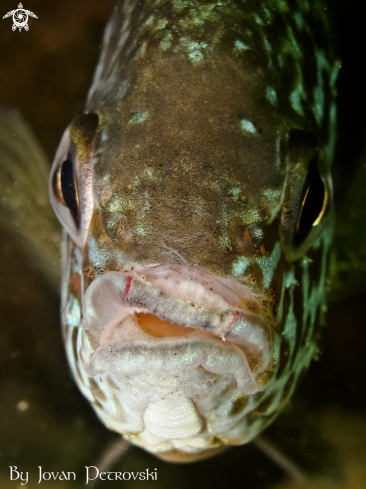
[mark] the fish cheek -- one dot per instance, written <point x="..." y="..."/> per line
<point x="75" y="282"/>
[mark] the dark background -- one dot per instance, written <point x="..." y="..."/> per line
<point x="45" y="73"/>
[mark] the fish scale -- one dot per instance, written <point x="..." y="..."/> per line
<point x="208" y="134"/>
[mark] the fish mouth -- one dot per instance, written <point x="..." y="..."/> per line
<point x="170" y="318"/>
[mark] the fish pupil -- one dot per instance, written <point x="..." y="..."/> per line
<point x="69" y="189"/>
<point x="313" y="205"/>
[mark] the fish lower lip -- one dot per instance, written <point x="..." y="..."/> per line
<point x="117" y="295"/>
<point x="167" y="355"/>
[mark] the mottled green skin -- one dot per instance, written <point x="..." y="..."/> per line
<point x="195" y="161"/>
<point x="290" y="42"/>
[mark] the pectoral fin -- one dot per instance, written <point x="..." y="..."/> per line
<point x="296" y="443"/>
<point x="24" y="202"/>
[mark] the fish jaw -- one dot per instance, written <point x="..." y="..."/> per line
<point x="113" y="300"/>
<point x="203" y="338"/>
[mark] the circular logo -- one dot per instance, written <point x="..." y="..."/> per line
<point x="20" y="19"/>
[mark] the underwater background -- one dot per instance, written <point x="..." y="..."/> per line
<point x="45" y="73"/>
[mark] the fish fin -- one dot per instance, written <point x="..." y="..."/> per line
<point x="25" y="208"/>
<point x="296" y="443"/>
<point x="112" y="453"/>
<point x="348" y="255"/>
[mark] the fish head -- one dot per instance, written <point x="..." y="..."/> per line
<point x="198" y="220"/>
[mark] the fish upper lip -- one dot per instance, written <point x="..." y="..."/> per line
<point x="141" y="294"/>
<point x="116" y="295"/>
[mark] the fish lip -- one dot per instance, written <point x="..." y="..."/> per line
<point x="142" y="295"/>
<point x="131" y="291"/>
<point x="170" y="357"/>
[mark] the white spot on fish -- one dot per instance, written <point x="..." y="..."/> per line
<point x="138" y="117"/>
<point x="240" y="265"/>
<point x="150" y="21"/>
<point x="141" y="52"/>
<point x="299" y="20"/>
<point x="72" y="312"/>
<point x="290" y="329"/>
<point x="267" y="46"/>
<point x="235" y="192"/>
<point x="332" y="138"/>
<point x="225" y="241"/>
<point x="142" y="229"/>
<point x="115" y="204"/>
<point x="194" y="48"/>
<point x="240" y="46"/>
<point x="334" y="74"/>
<point x="280" y="60"/>
<point x="267" y="13"/>
<point x="258" y="20"/>
<point x="248" y="126"/>
<point x="257" y="233"/>
<point x="289" y="281"/>
<point x="296" y="102"/>
<point x="122" y="89"/>
<point x="166" y="42"/>
<point x="322" y="66"/>
<point x="319" y="103"/>
<point x="96" y="254"/>
<point x="268" y="265"/>
<point x="78" y="264"/>
<point x="274" y="196"/>
<point x="294" y="46"/>
<point x="161" y="24"/>
<point x="271" y="95"/>
<point x="196" y="56"/>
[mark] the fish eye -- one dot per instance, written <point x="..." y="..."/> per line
<point x="71" y="177"/>
<point x="314" y="204"/>
<point x="307" y="201"/>
<point x="65" y="188"/>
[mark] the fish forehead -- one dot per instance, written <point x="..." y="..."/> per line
<point x="175" y="165"/>
<point x="209" y="123"/>
<point x="172" y="104"/>
<point x="289" y="40"/>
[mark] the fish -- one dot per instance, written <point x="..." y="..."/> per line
<point x="195" y="192"/>
<point x="196" y="196"/>
<point x="18" y="150"/>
